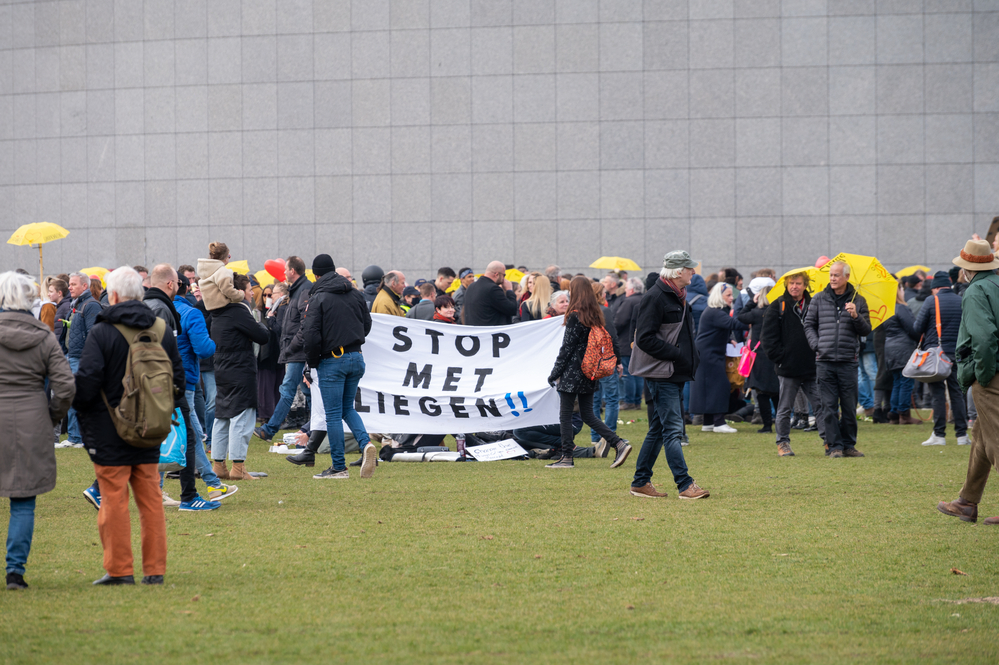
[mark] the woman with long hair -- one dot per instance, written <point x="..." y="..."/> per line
<point x="536" y="305"/>
<point x="582" y="316"/>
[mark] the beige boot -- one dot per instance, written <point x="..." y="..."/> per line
<point x="220" y="470"/>
<point x="239" y="472"/>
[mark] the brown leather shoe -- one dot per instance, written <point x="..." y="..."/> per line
<point x="239" y="472"/>
<point x="990" y="520"/>
<point x="905" y="418"/>
<point x="694" y="492"/>
<point x="835" y="453"/>
<point x="965" y="511"/>
<point x="220" y="469"/>
<point x="647" y="491"/>
<point x="852" y="452"/>
<point x="784" y="449"/>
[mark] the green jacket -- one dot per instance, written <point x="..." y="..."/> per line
<point x="978" y="338"/>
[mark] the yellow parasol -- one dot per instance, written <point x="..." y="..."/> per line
<point x="239" y="267"/>
<point x="38" y="233"/>
<point x="264" y="278"/>
<point x="905" y="272"/>
<point x="615" y="263"/>
<point x="817" y="281"/>
<point x="872" y="281"/>
<point x="97" y="272"/>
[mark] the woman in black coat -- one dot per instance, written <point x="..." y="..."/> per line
<point x="709" y="393"/>
<point x="900" y="341"/>
<point x="234" y="331"/>
<point x="763" y="377"/>
<point x="583" y="315"/>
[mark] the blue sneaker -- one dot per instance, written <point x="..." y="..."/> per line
<point x="93" y="496"/>
<point x="199" y="504"/>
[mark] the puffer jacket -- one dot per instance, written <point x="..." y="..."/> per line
<point x="950" y="321"/>
<point x="338" y="319"/>
<point x="900" y="338"/>
<point x="832" y="333"/>
<point x="29" y="354"/>
<point x="194" y="343"/>
<point x="292" y="340"/>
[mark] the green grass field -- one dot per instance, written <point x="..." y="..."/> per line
<point x="801" y="559"/>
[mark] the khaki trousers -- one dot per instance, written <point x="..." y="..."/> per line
<point x="115" y="526"/>
<point x="984" y="440"/>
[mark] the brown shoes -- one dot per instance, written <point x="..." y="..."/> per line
<point x="852" y="452"/>
<point x="905" y="418"/>
<point x="835" y="453"/>
<point x="647" y="491"/>
<point x="220" y="469"/>
<point x="239" y="472"/>
<point x="965" y="511"/>
<point x="784" y="449"/>
<point x="694" y="492"/>
<point x="991" y="520"/>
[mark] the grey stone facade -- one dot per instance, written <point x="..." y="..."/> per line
<point x="421" y="133"/>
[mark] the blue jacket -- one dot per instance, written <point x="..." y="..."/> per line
<point x="696" y="288"/>
<point x="84" y="316"/>
<point x="194" y="342"/>
<point x="950" y="321"/>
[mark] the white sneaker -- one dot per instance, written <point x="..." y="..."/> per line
<point x="963" y="440"/>
<point x="811" y="421"/>
<point x="725" y="429"/>
<point x="368" y="460"/>
<point x="65" y="444"/>
<point x="708" y="428"/>
<point x="935" y="440"/>
<point x="167" y="501"/>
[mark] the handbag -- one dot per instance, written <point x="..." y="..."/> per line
<point x="173" y="450"/>
<point x="747" y="360"/>
<point x="929" y="365"/>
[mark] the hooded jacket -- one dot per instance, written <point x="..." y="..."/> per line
<point x="234" y="331"/>
<point x="832" y="333"/>
<point x="83" y="317"/>
<point x="194" y="342"/>
<point x="29" y="353"/>
<point x="783" y="338"/>
<point x="338" y="317"/>
<point x="215" y="280"/>
<point x="102" y="367"/>
<point x="292" y="341"/>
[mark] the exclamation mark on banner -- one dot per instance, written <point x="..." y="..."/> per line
<point x="513" y="409"/>
<point x="524" y="401"/>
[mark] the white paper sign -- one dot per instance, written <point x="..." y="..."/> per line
<point x="492" y="452"/>
<point x="426" y="377"/>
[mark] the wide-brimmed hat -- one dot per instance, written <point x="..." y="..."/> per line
<point x="977" y="255"/>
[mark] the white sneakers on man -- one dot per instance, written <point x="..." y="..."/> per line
<point x="963" y="440"/>
<point x="725" y="429"/>
<point x="708" y="428"/>
<point x="935" y="440"/>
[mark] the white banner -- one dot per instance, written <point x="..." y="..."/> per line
<point x="425" y="377"/>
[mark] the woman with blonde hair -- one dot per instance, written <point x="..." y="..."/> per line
<point x="536" y="305"/>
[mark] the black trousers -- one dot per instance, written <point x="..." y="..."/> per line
<point x="566" y="403"/>
<point x="838" y="393"/>
<point x="767" y="405"/>
<point x="188" y="492"/>
<point x="939" y="391"/>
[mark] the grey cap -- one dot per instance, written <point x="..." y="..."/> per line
<point x="679" y="259"/>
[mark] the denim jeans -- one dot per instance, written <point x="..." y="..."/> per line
<point x="292" y="379"/>
<point x="199" y="404"/>
<point x="631" y="386"/>
<point x="19" y="532"/>
<point x="608" y="391"/>
<point x="232" y="435"/>
<point x="208" y="378"/>
<point x="338" y="379"/>
<point x="901" y="392"/>
<point x="73" y="427"/>
<point x="201" y="459"/>
<point x="665" y="431"/>
<point x="867" y="371"/>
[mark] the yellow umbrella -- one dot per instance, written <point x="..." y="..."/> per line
<point x="38" y="233"/>
<point x="905" y="272"/>
<point x="98" y="272"/>
<point x="873" y="281"/>
<point x="615" y="263"/>
<point x="239" y="267"/>
<point x="817" y="281"/>
<point x="454" y="286"/>
<point x="311" y="276"/>
<point x="264" y="278"/>
<point x="514" y="275"/>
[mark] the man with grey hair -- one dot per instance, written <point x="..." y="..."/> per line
<point x="666" y="357"/>
<point x="490" y="301"/>
<point x="624" y="324"/>
<point x="554" y="275"/>
<point x="82" y="318"/>
<point x="390" y="295"/>
<point x="836" y="320"/>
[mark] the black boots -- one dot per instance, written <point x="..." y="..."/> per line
<point x="308" y="456"/>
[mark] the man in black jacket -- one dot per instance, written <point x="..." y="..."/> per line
<point x="490" y="301"/>
<point x="950" y="324"/>
<point x="835" y="321"/>
<point x="666" y="303"/>
<point x="624" y="323"/>
<point x="117" y="463"/>
<point x="292" y="348"/>
<point x="786" y="346"/>
<point x="337" y="323"/>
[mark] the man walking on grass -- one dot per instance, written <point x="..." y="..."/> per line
<point x="976" y="367"/>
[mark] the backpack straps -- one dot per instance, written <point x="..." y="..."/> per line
<point x="939" y="329"/>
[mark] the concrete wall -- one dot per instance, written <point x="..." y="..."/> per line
<point x="421" y="133"/>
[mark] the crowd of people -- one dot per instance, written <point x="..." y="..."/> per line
<point x="238" y="353"/>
